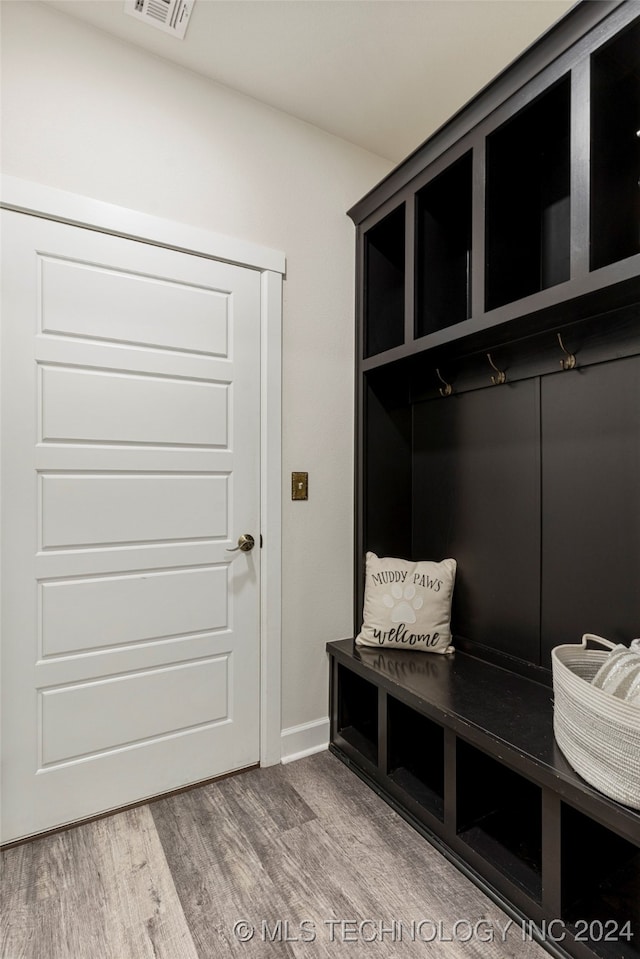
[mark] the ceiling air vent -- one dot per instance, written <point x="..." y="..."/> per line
<point x="170" y="16"/>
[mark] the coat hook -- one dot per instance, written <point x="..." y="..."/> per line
<point x="569" y="361"/>
<point x="501" y="377"/>
<point x="446" y="389"/>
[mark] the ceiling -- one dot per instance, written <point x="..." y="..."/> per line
<point x="383" y="74"/>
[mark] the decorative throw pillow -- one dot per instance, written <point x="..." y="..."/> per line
<point x="620" y="673"/>
<point x="408" y="605"/>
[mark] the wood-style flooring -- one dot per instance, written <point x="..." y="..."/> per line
<point x="305" y="855"/>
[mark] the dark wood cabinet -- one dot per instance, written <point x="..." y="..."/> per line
<point x="505" y="245"/>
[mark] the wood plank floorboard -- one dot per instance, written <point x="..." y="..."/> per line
<point x="212" y="845"/>
<point x="100" y="891"/>
<point x="305" y="853"/>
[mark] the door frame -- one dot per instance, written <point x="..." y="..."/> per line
<point x="34" y="199"/>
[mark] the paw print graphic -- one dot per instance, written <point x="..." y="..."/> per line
<point x="402" y="602"/>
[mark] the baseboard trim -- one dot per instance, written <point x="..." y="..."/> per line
<point x="304" y="740"/>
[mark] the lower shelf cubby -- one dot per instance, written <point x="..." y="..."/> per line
<point x="600" y="887"/>
<point x="416" y="756"/>
<point x="357" y="724"/>
<point x="499" y="817"/>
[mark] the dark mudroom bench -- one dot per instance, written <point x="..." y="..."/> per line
<point x="464" y="750"/>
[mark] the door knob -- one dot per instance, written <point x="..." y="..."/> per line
<point x="246" y="542"/>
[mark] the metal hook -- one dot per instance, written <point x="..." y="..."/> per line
<point x="501" y="377"/>
<point x="569" y="361"/>
<point x="446" y="389"/>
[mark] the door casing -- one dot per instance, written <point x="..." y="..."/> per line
<point x="38" y="200"/>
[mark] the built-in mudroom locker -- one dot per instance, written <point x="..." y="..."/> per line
<point x="498" y="423"/>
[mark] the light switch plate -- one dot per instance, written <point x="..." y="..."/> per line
<point x="299" y="486"/>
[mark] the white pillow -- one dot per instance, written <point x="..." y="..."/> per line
<point x="619" y="675"/>
<point x="408" y="605"/>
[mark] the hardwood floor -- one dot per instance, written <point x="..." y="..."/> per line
<point x="300" y="861"/>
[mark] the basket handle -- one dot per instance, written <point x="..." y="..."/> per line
<point x="597" y="639"/>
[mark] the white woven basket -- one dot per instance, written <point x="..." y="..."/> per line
<point x="598" y="733"/>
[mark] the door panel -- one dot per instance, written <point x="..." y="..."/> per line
<point x="95" y="612"/>
<point x="79" y="299"/>
<point x="95" y="509"/>
<point x="192" y="695"/>
<point x="130" y="465"/>
<point x="96" y="406"/>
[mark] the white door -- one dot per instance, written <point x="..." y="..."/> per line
<point x="130" y="466"/>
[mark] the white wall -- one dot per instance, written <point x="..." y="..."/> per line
<point x="95" y="116"/>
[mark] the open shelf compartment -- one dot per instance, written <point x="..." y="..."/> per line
<point x="615" y="149"/>
<point x="443" y="256"/>
<point x="600" y="886"/>
<point x="416" y="756"/>
<point x="358" y="714"/>
<point x="528" y="199"/>
<point x="384" y="272"/>
<point x="499" y="816"/>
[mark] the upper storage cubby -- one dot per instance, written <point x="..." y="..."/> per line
<point x="443" y="254"/>
<point x="384" y="270"/>
<point x="528" y="199"/>
<point x="615" y="149"/>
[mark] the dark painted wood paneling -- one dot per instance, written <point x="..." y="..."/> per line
<point x="476" y="497"/>
<point x="591" y="520"/>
